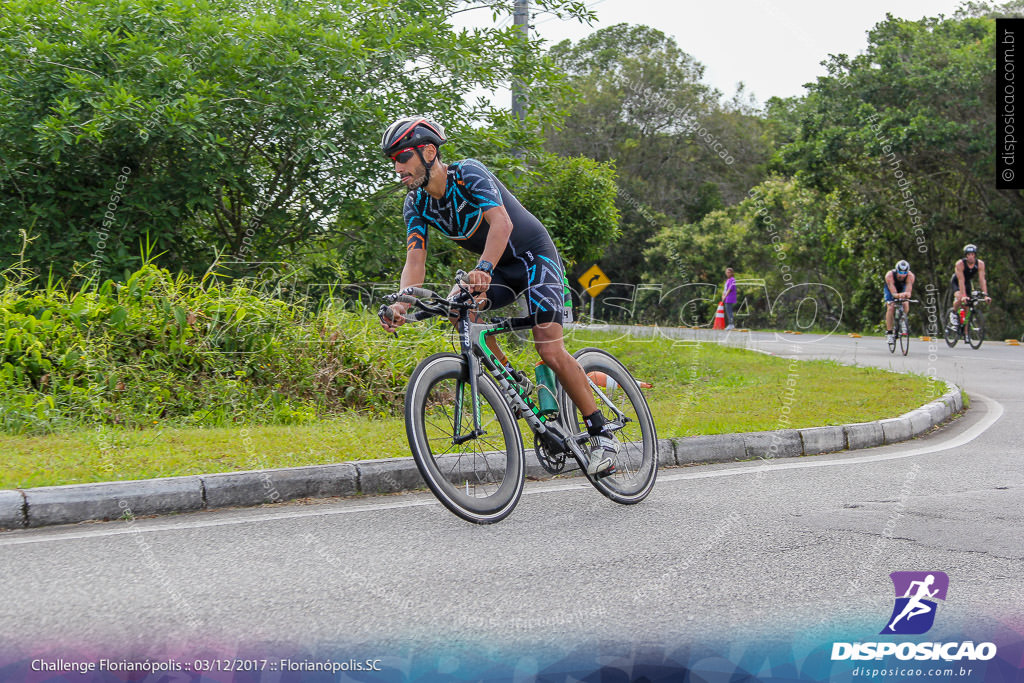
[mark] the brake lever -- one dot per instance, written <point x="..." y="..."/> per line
<point x="386" y="315"/>
<point x="461" y="278"/>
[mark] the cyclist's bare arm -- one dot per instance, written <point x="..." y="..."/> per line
<point x="981" y="278"/>
<point x="910" y="286"/>
<point x="497" y="240"/>
<point x="415" y="269"/>
<point x="413" y="274"/>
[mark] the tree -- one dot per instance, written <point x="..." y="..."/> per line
<point x="897" y="145"/>
<point x="238" y="127"/>
<point x="679" y="151"/>
<point x="887" y="157"/>
<point x="774" y="239"/>
<point x="575" y="200"/>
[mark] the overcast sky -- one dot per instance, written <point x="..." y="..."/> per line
<point x="772" y="46"/>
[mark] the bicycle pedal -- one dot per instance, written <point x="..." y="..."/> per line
<point x="607" y="473"/>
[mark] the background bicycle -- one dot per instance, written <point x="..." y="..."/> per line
<point x="900" y="327"/>
<point x="967" y="324"/>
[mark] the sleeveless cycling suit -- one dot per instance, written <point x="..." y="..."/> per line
<point x="969" y="274"/>
<point x="898" y="284"/>
<point x="530" y="263"/>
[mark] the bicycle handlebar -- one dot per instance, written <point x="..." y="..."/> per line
<point x="385" y="313"/>
<point x="429" y="303"/>
<point x="419" y="293"/>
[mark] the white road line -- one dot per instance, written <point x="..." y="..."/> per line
<point x="994" y="412"/>
<point x="138" y="528"/>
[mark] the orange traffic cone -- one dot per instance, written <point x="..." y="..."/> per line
<point x="604" y="381"/>
<point x="719" y="317"/>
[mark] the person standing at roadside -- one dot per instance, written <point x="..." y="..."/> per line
<point x="729" y="298"/>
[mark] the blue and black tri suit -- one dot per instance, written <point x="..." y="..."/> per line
<point x="900" y="286"/>
<point x="530" y="264"/>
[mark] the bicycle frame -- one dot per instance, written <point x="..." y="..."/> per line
<point x="444" y="386"/>
<point x="474" y="349"/>
<point x="898" y="314"/>
<point x="969" y="304"/>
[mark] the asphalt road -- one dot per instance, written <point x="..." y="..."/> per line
<point x="789" y="550"/>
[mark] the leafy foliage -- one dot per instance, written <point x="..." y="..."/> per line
<point x="890" y="156"/>
<point x="234" y="127"/>
<point x="176" y="349"/>
<point x="575" y="200"/>
<point x="680" y="152"/>
<point x="897" y="146"/>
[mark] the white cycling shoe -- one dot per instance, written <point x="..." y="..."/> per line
<point x="603" y="448"/>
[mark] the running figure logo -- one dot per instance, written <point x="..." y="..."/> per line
<point x="916" y="592"/>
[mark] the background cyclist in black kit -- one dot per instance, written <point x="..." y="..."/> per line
<point x="467" y="203"/>
<point x="967" y="268"/>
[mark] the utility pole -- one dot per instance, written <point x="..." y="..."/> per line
<point x="521" y="16"/>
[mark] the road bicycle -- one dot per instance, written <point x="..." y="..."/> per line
<point x="970" y="327"/>
<point x="461" y="413"/>
<point x="900" y="327"/>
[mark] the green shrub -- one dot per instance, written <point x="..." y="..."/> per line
<point x="164" y="348"/>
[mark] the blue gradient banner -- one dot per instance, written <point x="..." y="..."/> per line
<point x="803" y="657"/>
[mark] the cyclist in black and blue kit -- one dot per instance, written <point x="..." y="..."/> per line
<point x="468" y="204"/>
<point x="899" y="285"/>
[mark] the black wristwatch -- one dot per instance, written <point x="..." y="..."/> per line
<point x="485" y="266"/>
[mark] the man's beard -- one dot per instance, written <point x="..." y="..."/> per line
<point x="418" y="181"/>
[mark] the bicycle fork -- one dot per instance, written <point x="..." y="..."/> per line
<point x="460" y="393"/>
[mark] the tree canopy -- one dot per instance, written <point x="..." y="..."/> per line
<point x="247" y="128"/>
<point x="680" y="150"/>
<point x="889" y="156"/>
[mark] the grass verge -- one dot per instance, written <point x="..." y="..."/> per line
<point x="698" y="389"/>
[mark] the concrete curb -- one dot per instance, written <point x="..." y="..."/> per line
<point x="230" y="489"/>
<point x="823" y="440"/>
<point x="709" y="448"/>
<point x="50" y="505"/>
<point x="12" y="509"/>
<point x="74" y="503"/>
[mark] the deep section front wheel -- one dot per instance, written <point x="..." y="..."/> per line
<point x="621" y="402"/>
<point x="951" y="330"/>
<point x="904" y="331"/>
<point x="975" y="329"/>
<point x="479" y="477"/>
